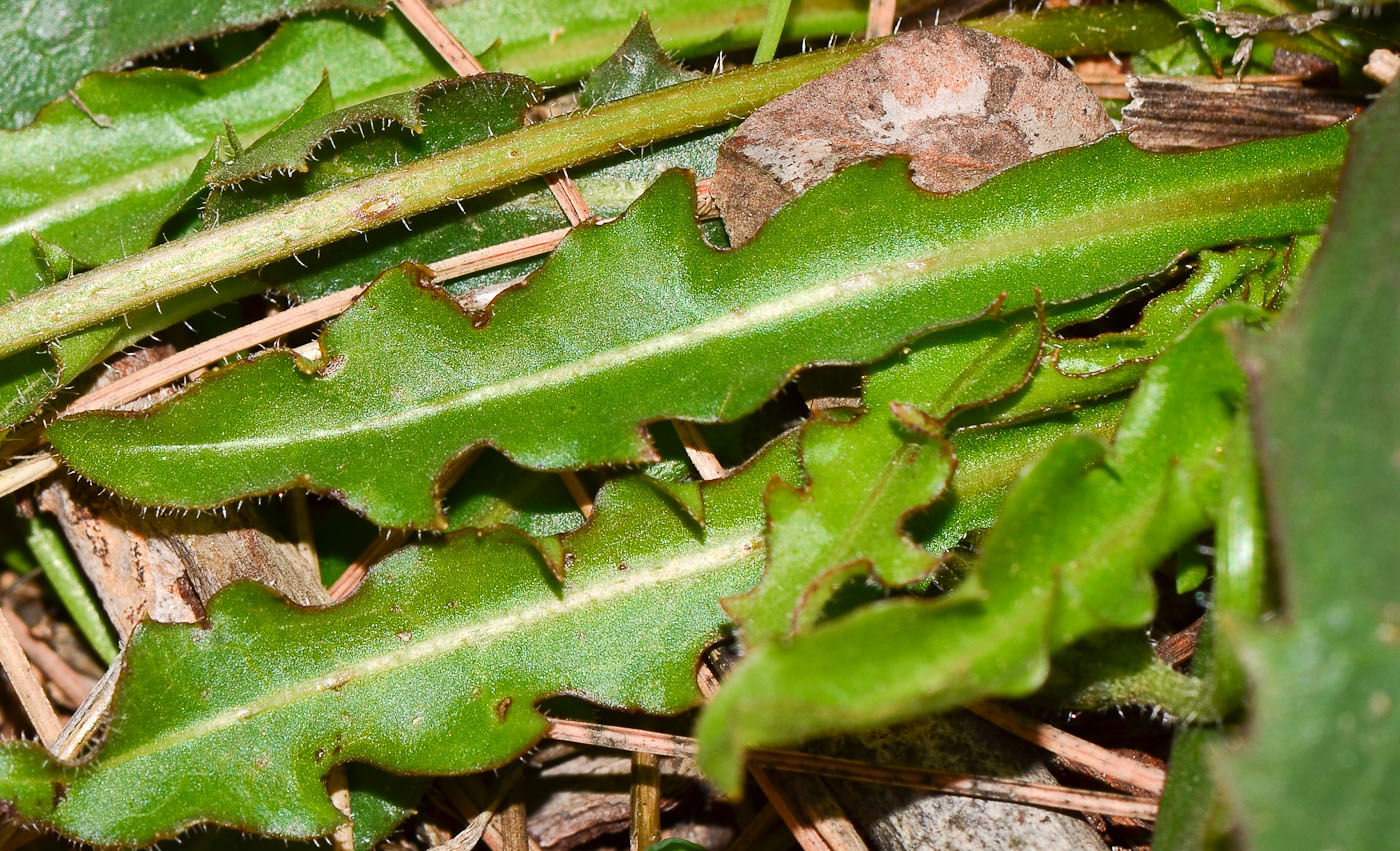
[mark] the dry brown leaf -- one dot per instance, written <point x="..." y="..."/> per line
<point x="961" y="104"/>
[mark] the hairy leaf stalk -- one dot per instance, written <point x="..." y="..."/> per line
<point x="353" y="208"/>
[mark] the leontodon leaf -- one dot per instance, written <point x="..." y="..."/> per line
<point x="434" y="666"/>
<point x="1070" y="555"/>
<point x="866" y="477"/>
<point x="641" y="320"/>
<point x="49" y="45"/>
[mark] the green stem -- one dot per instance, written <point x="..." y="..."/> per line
<point x="772" y="31"/>
<point x="67" y="581"/>
<point x="1089" y="30"/>
<point x="352" y="208"/>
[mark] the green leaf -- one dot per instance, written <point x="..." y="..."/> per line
<point x="498" y="493"/>
<point x="48" y="46"/>
<point x="1192" y="815"/>
<point x="1319" y="766"/>
<point x="434" y="666"/>
<point x="1071" y="555"/>
<point x="408" y="383"/>
<point x="447" y="115"/>
<point x="989" y="459"/>
<point x="866" y="477"/>
<point x="638" y="65"/>
<point x="442" y="116"/>
<point x="103" y="192"/>
<point x="1095" y="367"/>
<point x="1165" y="317"/>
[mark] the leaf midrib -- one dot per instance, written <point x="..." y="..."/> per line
<point x="731" y="551"/>
<point x="988" y="249"/>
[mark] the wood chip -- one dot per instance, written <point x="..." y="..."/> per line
<point x="1195" y="113"/>
<point x="961" y="103"/>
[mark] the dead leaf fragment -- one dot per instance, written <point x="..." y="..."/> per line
<point x="961" y="104"/>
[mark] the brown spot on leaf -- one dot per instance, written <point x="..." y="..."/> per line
<point x="962" y="104"/>
<point x="502" y="707"/>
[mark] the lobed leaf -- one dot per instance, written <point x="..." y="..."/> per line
<point x="866" y="477"/>
<point x="48" y="46"/>
<point x="434" y="666"/>
<point x="580" y="358"/>
<point x="1101" y="366"/>
<point x="1070" y="555"/>
<point x="103" y="191"/>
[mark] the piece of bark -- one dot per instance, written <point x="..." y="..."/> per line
<point x="1170" y="114"/>
<point x="896" y="818"/>
<point x="961" y="104"/>
<point x="168" y="566"/>
<point x="142" y="562"/>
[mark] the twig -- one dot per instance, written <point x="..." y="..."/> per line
<point x="645" y="800"/>
<point x="1148" y="778"/>
<point x="348" y="581"/>
<point x="26" y="685"/>
<point x="879" y="21"/>
<point x="514" y="836"/>
<point x="72" y="686"/>
<point x="468" y="838"/>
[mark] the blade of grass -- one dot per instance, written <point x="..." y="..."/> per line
<point x="67" y="580"/>
<point x="772" y="31"/>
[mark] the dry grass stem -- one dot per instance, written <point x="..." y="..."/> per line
<point x="645" y="801"/>
<point x="350" y="579"/>
<point x="966" y="785"/>
<point x="879" y="21"/>
<point x="478" y="823"/>
<point x="90" y="715"/>
<point x="696" y="447"/>
<point x="581" y="496"/>
<point x="302" y="531"/>
<point x="951" y="783"/>
<point x="757" y="830"/>
<point x="443" y="41"/>
<point x="71" y="686"/>
<point x="1149" y="779"/>
<point x="26" y="684"/>
<point x="464" y="800"/>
